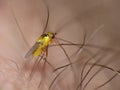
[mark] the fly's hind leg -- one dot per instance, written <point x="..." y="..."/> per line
<point x="36" y="63"/>
<point x="44" y="67"/>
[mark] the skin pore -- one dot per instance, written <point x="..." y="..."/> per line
<point x="23" y="21"/>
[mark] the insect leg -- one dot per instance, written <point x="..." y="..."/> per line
<point x="35" y="65"/>
<point x="44" y="65"/>
<point x="45" y="59"/>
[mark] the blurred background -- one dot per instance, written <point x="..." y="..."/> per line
<point x="23" y="21"/>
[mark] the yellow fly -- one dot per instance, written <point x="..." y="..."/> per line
<point x="40" y="47"/>
<point x="41" y="44"/>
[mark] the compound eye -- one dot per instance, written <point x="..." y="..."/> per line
<point x="52" y="36"/>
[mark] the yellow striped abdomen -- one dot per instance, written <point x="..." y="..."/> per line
<point x="43" y="42"/>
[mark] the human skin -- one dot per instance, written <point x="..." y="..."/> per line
<point x="69" y="19"/>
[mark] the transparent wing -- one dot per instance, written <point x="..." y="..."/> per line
<point x="31" y="51"/>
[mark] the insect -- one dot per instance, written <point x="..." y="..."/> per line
<point x="41" y="44"/>
<point x="40" y="49"/>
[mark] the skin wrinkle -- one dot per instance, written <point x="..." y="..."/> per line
<point x="31" y="16"/>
